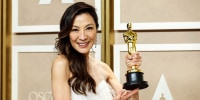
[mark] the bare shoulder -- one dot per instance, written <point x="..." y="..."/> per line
<point x="108" y="70"/>
<point x="60" y="59"/>
<point x="106" y="66"/>
<point x="60" y="65"/>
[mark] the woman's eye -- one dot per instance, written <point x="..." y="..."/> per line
<point x="74" y="30"/>
<point x="89" y="28"/>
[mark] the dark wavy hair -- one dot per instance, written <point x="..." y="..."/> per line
<point x="80" y="81"/>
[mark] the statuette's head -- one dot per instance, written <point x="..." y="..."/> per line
<point x="129" y="26"/>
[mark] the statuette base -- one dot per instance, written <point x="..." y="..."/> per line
<point x="135" y="80"/>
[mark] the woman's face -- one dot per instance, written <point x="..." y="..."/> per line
<point x="83" y="33"/>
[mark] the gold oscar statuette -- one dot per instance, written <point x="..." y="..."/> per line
<point x="134" y="76"/>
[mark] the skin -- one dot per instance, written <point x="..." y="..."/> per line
<point x="83" y="34"/>
<point x="82" y="38"/>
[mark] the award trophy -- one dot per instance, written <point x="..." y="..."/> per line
<point x="134" y="76"/>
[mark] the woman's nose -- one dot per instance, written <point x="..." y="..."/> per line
<point x="82" y="35"/>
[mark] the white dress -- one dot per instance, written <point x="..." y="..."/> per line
<point x="103" y="92"/>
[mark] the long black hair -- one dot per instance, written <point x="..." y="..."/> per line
<point x="80" y="81"/>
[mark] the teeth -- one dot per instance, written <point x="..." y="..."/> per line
<point x="82" y="44"/>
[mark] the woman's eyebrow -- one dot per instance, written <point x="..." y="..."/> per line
<point x="75" y="27"/>
<point x="89" y="25"/>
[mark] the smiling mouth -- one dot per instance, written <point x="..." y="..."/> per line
<point x="83" y="45"/>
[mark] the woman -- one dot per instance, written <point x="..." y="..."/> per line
<point x="75" y="74"/>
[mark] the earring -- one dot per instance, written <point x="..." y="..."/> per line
<point x="92" y="52"/>
<point x="95" y="45"/>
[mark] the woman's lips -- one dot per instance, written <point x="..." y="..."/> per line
<point x="83" y="45"/>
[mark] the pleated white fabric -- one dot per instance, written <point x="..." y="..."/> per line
<point x="103" y="92"/>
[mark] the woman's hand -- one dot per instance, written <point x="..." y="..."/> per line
<point x="133" y="60"/>
<point x="125" y="94"/>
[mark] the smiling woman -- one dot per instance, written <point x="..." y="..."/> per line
<point x="83" y="34"/>
<point x="75" y="74"/>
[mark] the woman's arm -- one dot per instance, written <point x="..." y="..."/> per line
<point x="59" y="77"/>
<point x="121" y="94"/>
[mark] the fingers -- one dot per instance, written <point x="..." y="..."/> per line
<point x="125" y="94"/>
<point x="118" y="95"/>
<point x="133" y="60"/>
<point x="129" y="94"/>
<point x="135" y="55"/>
